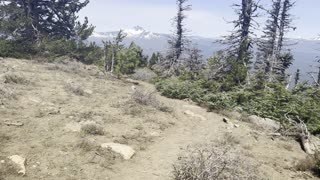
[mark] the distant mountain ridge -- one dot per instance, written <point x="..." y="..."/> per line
<point x="305" y="51"/>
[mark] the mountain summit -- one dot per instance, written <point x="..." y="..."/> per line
<point x="135" y="32"/>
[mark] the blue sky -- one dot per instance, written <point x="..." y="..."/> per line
<point x="207" y="18"/>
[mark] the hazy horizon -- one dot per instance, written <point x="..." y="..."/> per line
<point x="207" y="18"/>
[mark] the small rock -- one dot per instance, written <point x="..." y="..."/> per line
<point x="88" y="91"/>
<point x="236" y="125"/>
<point x="20" y="161"/>
<point x="126" y="151"/>
<point x="226" y="120"/>
<point x="17" y="124"/>
<point x="2" y="161"/>
<point x="155" y="134"/>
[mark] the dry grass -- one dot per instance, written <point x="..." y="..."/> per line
<point x="310" y="163"/>
<point x="72" y="67"/>
<point x="148" y="99"/>
<point x="75" y="89"/>
<point x="92" y="129"/>
<point x="7" y="93"/>
<point x="86" y="145"/>
<point x="15" y="79"/>
<point x="209" y="162"/>
<point x="144" y="75"/>
<point x="228" y="140"/>
<point x="7" y="169"/>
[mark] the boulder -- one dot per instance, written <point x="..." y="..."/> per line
<point x="125" y="151"/>
<point x="265" y="123"/>
<point x="20" y="162"/>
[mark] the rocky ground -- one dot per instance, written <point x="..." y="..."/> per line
<point x="71" y="121"/>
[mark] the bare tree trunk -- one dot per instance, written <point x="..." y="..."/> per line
<point x="318" y="77"/>
<point x="112" y="61"/>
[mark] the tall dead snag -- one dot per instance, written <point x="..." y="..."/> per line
<point x="267" y="45"/>
<point x="284" y="56"/>
<point x="179" y="40"/>
<point x="240" y="41"/>
<point x="273" y="58"/>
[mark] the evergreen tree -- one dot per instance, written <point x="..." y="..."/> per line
<point x="240" y="41"/>
<point x="268" y="43"/>
<point x="178" y="42"/>
<point x="40" y="18"/>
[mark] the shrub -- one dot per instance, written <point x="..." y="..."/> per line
<point x="144" y="75"/>
<point x="7" y="93"/>
<point x="92" y="129"/>
<point x="148" y="99"/>
<point x="75" y="89"/>
<point x="310" y="163"/>
<point x="15" y="79"/>
<point x="209" y="162"/>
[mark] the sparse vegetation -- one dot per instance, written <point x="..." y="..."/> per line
<point x="148" y="99"/>
<point x="75" y="89"/>
<point x="13" y="78"/>
<point x="209" y="162"/>
<point x="6" y="93"/>
<point x="310" y="163"/>
<point x="144" y="75"/>
<point x="7" y="169"/>
<point x="92" y="129"/>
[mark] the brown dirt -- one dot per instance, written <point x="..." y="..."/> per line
<point x="45" y="106"/>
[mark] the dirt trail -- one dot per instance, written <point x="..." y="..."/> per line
<point x="156" y="162"/>
<point x="46" y="106"/>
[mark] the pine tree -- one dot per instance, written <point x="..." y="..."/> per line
<point x="41" y="18"/>
<point x="240" y="41"/>
<point x="178" y="41"/>
<point x="268" y="43"/>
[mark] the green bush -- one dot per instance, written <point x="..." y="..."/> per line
<point x="271" y="102"/>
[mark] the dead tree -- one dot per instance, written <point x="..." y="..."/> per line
<point x="241" y="41"/>
<point x="299" y="130"/>
<point x="111" y="50"/>
<point x="267" y="46"/>
<point x="179" y="40"/>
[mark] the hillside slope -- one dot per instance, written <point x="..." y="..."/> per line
<point x="44" y="108"/>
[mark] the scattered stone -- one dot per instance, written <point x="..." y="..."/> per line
<point x="2" y="161"/>
<point x="17" y="124"/>
<point x="155" y="134"/>
<point x="133" y="88"/>
<point x="236" y="125"/>
<point x="192" y="114"/>
<point x="88" y="91"/>
<point x="20" y="161"/>
<point x="126" y="151"/>
<point x="264" y="122"/>
<point x="226" y="120"/>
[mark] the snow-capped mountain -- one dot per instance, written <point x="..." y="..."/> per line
<point x="152" y="42"/>
<point x="305" y="51"/>
<point x="136" y="32"/>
